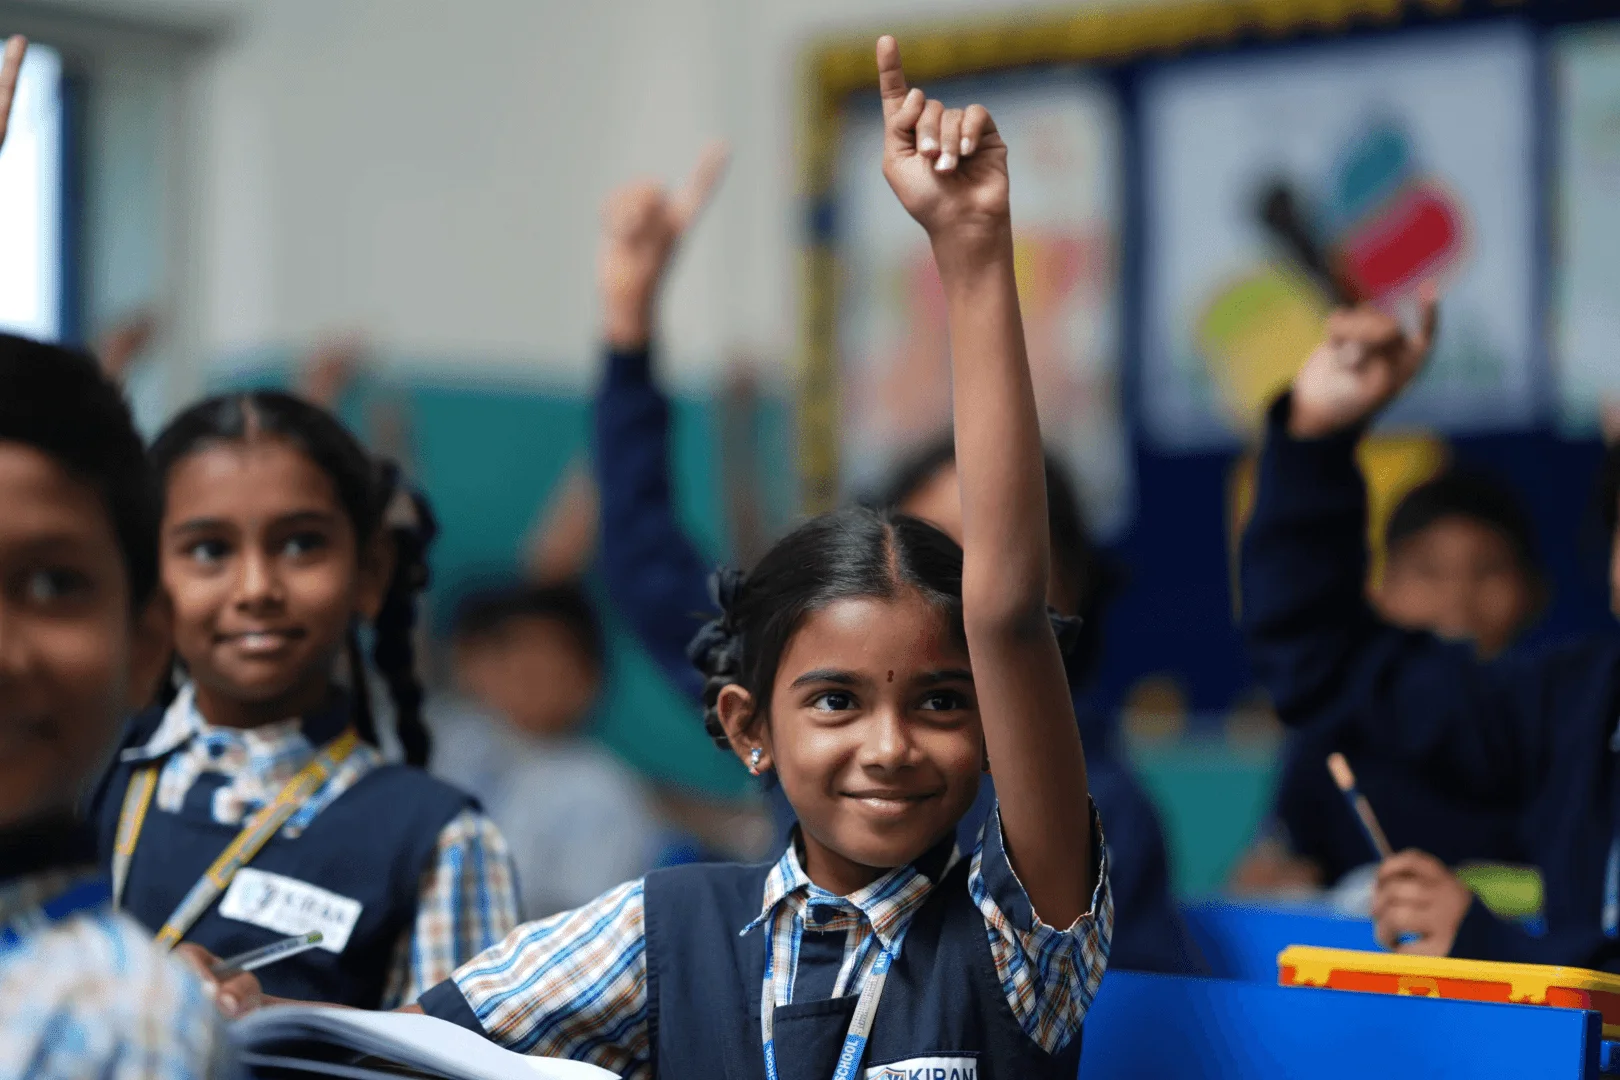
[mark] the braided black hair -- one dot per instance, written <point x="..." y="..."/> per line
<point x="836" y="556"/>
<point x="370" y="494"/>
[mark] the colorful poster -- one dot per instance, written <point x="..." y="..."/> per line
<point x="1586" y="301"/>
<point x="1062" y="131"/>
<point x="1279" y="184"/>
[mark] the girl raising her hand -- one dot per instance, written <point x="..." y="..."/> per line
<point x="842" y="663"/>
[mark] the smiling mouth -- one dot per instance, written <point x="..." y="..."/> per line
<point x="261" y="642"/>
<point x="890" y="803"/>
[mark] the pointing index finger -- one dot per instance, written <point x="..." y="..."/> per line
<point x="891" y="77"/>
<point x="693" y="196"/>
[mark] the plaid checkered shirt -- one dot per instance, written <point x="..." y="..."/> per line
<point x="467" y="898"/>
<point x="575" y="985"/>
<point x="90" y="994"/>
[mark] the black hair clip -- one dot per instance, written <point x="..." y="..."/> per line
<point x="1068" y="629"/>
<point x="724" y="586"/>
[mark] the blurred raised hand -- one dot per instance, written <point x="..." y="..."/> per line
<point x="330" y="369"/>
<point x="563" y="538"/>
<point x="1365" y="361"/>
<point x="10" y="68"/>
<point x="642" y="225"/>
<point x="120" y="347"/>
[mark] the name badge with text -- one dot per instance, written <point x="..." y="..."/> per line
<point x="289" y="906"/>
<point x="927" y="1068"/>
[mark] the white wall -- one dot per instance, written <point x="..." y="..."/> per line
<point x="429" y="172"/>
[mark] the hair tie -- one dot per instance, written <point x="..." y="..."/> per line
<point x="724" y="586"/>
<point x="1068" y="629"/>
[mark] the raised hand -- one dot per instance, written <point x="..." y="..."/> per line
<point x="642" y="225"/>
<point x="330" y="369"/>
<point x="10" y="67"/>
<point x="948" y="167"/>
<point x="1367" y="359"/>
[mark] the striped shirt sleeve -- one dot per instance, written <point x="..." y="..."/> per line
<point x="467" y="901"/>
<point x="571" y="986"/>
<point x="1049" y="975"/>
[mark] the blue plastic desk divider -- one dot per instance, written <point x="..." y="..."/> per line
<point x="1241" y="941"/>
<point x="1163" y="1026"/>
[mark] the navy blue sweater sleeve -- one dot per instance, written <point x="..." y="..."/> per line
<point x="1484" y="936"/>
<point x="1326" y="658"/>
<point x="654" y="574"/>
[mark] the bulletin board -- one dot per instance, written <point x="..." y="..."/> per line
<point x="1174" y="154"/>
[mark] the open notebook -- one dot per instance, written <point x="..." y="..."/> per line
<point x="301" y="1040"/>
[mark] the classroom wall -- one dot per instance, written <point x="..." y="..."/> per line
<point x="456" y="214"/>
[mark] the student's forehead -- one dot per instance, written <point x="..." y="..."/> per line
<point x="44" y="500"/>
<point x="1453" y="533"/>
<point x="226" y="476"/>
<point x="857" y="631"/>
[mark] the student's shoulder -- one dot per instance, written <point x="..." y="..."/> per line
<point x="708" y="883"/>
<point x="1568" y="665"/>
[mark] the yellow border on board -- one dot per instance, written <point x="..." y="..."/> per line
<point x="838" y="66"/>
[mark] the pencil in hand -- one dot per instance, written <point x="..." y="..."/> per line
<point x="1342" y="776"/>
<point x="269" y="954"/>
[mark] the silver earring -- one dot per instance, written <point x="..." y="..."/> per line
<point x="753" y="760"/>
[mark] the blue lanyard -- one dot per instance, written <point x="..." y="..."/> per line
<point x="860" y="1025"/>
<point x="81" y="897"/>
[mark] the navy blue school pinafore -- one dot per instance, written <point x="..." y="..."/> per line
<point x="943" y="1014"/>
<point x="371" y="844"/>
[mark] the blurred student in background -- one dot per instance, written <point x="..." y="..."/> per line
<point x="1460" y="561"/>
<point x="1532" y="735"/>
<point x="527" y="663"/>
<point x="656" y="577"/>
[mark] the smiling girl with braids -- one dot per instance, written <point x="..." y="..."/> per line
<point x="280" y="541"/>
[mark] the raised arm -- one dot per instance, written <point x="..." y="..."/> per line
<point x="654" y="574"/>
<point x="1315" y="643"/>
<point x="949" y="169"/>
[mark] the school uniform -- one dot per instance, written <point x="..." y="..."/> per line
<point x="667" y="976"/>
<point x="403" y="874"/>
<point x="1319" y="825"/>
<point x="83" y="990"/>
<point x="658" y="581"/>
<point x="1536" y="734"/>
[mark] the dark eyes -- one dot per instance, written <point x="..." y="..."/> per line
<point x="298" y="545"/>
<point x="207" y="551"/>
<point x="54" y="585"/>
<point x="933" y="701"/>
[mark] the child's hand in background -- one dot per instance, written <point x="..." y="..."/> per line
<point x="641" y="226"/>
<point x="1418" y="897"/>
<point x="16" y="46"/>
<point x="1367" y="359"/>
<point x="948" y="167"/>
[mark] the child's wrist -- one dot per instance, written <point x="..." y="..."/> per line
<point x="965" y="252"/>
<point x="627" y="323"/>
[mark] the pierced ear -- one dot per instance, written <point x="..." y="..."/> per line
<point x="150" y="652"/>
<point x="376" y="571"/>
<point x="735" y="708"/>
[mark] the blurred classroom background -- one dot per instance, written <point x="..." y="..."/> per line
<point x="265" y="175"/>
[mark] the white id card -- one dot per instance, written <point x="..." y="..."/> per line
<point x="289" y="906"/>
<point x="927" y="1068"/>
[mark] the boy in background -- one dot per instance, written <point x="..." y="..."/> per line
<point x="1460" y="562"/>
<point x="527" y="663"/>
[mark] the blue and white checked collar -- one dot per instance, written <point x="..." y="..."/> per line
<point x="887" y="904"/>
<point x="183" y="721"/>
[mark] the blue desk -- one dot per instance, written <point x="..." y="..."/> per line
<point x="1161" y="1026"/>
<point x="1241" y="941"/>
